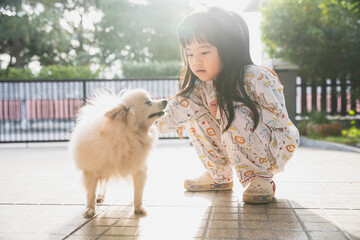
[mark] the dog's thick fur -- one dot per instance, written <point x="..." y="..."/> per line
<point x="112" y="138"/>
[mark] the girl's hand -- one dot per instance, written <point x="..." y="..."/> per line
<point x="179" y="131"/>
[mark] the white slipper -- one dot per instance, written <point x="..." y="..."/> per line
<point x="205" y="183"/>
<point x="260" y="190"/>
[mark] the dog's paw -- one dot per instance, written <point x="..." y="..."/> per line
<point x="100" y="198"/>
<point x="89" y="212"/>
<point x="139" y="210"/>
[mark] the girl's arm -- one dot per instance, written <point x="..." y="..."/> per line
<point x="265" y="88"/>
<point x="181" y="110"/>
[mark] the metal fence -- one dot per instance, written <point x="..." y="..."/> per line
<point x="335" y="97"/>
<point x="45" y="110"/>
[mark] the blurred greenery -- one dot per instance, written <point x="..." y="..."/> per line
<point x="321" y="36"/>
<point x="16" y="73"/>
<point x="67" y="72"/>
<point x="29" y="34"/>
<point x="126" y="32"/>
<point x="154" y="69"/>
<point x="50" y="72"/>
<point x="136" y="32"/>
<point x="349" y="136"/>
<point x="317" y="126"/>
<point x="318" y="117"/>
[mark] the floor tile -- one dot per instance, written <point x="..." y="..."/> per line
<point x="91" y="230"/>
<point x="291" y="235"/>
<point x="256" y="234"/>
<point x="223" y="224"/>
<point x="252" y="217"/>
<point x="224" y="216"/>
<point x="327" y="235"/>
<point x="255" y="224"/>
<point x="122" y="231"/>
<point x="286" y="226"/>
<point x="325" y="226"/>
<point x="222" y="233"/>
<point x="283" y="218"/>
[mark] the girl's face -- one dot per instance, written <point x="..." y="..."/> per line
<point x="204" y="60"/>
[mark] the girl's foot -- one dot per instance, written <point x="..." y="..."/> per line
<point x="205" y="183"/>
<point x="260" y="190"/>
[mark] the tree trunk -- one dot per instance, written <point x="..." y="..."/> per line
<point x="16" y="50"/>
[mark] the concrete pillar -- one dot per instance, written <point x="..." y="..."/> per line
<point x="287" y="75"/>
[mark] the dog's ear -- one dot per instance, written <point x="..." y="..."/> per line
<point x="120" y="111"/>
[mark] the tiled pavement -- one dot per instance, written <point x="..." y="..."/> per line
<point x="41" y="197"/>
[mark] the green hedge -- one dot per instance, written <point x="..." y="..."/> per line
<point x="155" y="69"/>
<point x="67" y="72"/>
<point x="50" y="72"/>
<point x="130" y="70"/>
<point x="16" y="73"/>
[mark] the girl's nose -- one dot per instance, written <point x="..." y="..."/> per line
<point x="196" y="60"/>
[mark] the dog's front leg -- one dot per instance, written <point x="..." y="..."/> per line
<point x="101" y="195"/>
<point x="90" y="182"/>
<point x="139" y="179"/>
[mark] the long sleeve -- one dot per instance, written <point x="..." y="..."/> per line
<point x="264" y="87"/>
<point x="181" y="110"/>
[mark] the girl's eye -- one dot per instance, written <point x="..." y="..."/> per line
<point x="189" y="55"/>
<point x="204" y="53"/>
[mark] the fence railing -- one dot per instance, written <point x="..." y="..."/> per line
<point x="332" y="96"/>
<point x="45" y="110"/>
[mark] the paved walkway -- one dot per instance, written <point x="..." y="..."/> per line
<point x="41" y="197"/>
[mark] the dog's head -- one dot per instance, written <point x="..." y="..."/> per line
<point x="137" y="109"/>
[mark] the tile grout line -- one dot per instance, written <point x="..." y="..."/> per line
<point x="307" y="232"/>
<point x="86" y="222"/>
<point x="302" y="223"/>
<point x="239" y="222"/>
<point x="211" y="212"/>
<point x="108" y="229"/>
<point x="270" y="223"/>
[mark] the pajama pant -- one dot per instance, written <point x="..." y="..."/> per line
<point x="259" y="153"/>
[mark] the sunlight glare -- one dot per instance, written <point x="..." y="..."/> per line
<point x="252" y="19"/>
<point x="234" y="5"/>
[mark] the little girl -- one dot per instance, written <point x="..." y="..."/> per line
<point x="233" y="110"/>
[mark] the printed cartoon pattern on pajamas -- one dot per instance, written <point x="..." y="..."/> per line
<point x="261" y="153"/>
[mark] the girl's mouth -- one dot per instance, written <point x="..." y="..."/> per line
<point x="200" y="71"/>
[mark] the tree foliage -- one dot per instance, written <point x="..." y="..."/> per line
<point x="153" y="69"/>
<point x="31" y="30"/>
<point x="139" y="32"/>
<point x="67" y="72"/>
<point x="321" y="36"/>
<point x="128" y="31"/>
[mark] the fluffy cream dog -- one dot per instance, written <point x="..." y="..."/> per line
<point x="112" y="138"/>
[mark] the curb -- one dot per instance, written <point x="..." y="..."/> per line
<point x="307" y="142"/>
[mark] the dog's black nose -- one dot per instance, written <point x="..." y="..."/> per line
<point x="164" y="103"/>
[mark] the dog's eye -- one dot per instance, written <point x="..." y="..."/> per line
<point x="148" y="102"/>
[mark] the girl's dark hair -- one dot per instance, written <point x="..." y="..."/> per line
<point x="228" y="32"/>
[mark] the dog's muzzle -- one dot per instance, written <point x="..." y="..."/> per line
<point x="159" y="114"/>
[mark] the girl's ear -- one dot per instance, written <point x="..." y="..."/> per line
<point x="120" y="112"/>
